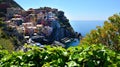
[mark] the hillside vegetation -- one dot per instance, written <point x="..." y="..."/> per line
<point x="8" y="42"/>
<point x="5" y="41"/>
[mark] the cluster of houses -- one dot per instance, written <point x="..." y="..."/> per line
<point x="33" y="21"/>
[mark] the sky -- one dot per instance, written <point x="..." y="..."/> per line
<point x="77" y="9"/>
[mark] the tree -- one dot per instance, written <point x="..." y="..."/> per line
<point x="108" y="35"/>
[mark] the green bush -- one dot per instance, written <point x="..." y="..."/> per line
<point x="108" y="35"/>
<point x="80" y="56"/>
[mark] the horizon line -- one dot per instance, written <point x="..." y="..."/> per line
<point x="87" y="20"/>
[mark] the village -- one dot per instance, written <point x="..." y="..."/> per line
<point x="39" y="26"/>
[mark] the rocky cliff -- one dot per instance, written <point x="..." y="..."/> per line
<point x="62" y="29"/>
<point x="59" y="24"/>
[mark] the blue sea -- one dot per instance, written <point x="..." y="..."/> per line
<point x="83" y="27"/>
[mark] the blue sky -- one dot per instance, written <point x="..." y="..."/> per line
<point x="78" y="9"/>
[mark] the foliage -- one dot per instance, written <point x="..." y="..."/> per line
<point x="80" y="56"/>
<point x="108" y="35"/>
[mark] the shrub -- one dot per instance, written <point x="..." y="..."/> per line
<point x="80" y="56"/>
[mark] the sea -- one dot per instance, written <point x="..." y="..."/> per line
<point x="83" y="27"/>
